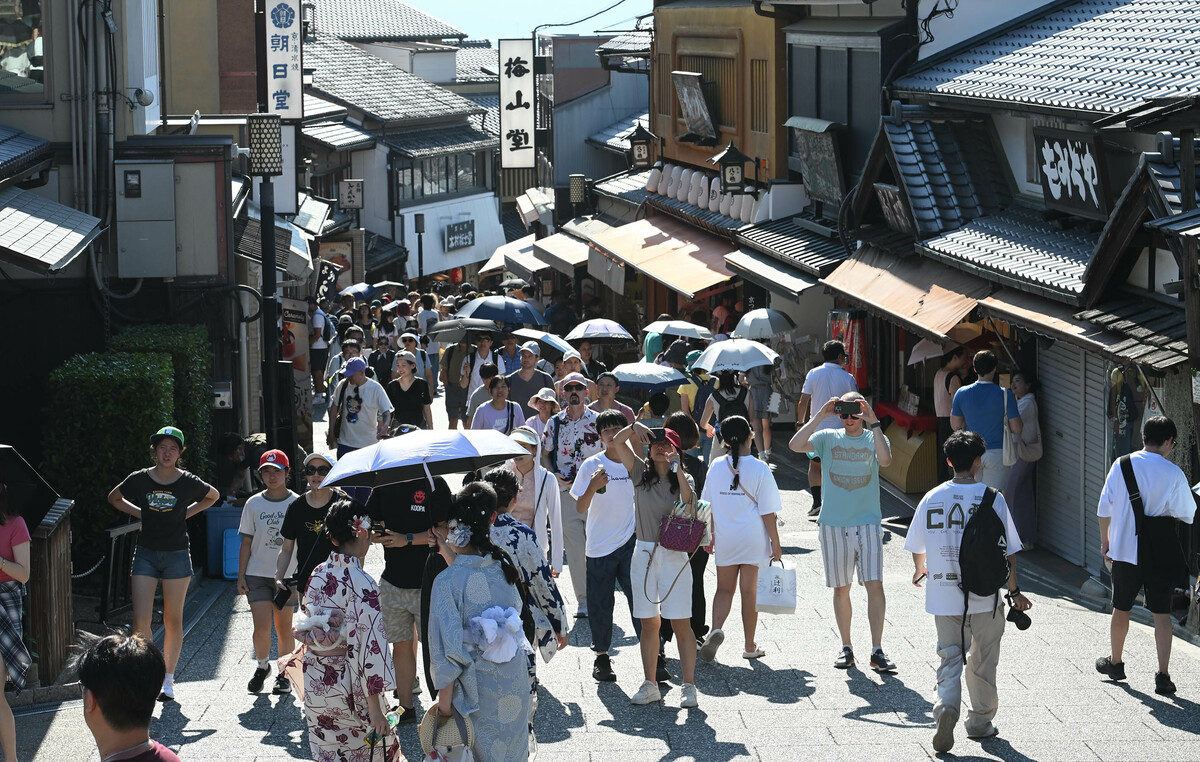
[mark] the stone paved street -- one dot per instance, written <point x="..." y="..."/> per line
<point x="792" y="704"/>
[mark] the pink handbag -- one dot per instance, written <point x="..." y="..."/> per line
<point x="680" y="533"/>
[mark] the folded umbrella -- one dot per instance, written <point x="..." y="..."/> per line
<point x="762" y="324"/>
<point x="599" y="330"/>
<point x="644" y="375"/>
<point x="422" y="455"/>
<point x="550" y="343"/>
<point x="735" y="354"/>
<point x="456" y="329"/>
<point x="502" y="309"/>
<point x="679" y="328"/>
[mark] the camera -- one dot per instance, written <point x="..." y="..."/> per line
<point x="847" y="407"/>
<point x="1019" y="618"/>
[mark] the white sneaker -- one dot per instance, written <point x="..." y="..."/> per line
<point x="687" y="696"/>
<point x="168" y="691"/>
<point x="647" y="694"/>
<point x="708" y="651"/>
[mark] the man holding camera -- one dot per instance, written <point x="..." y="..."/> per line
<point x="934" y="539"/>
<point x="851" y="519"/>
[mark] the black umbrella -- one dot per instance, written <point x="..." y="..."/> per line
<point x="458" y="329"/>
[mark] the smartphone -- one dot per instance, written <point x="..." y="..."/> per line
<point x="848" y="407"/>
<point x="920" y="579"/>
<point x="378" y="529"/>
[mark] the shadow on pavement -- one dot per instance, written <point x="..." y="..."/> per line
<point x="1170" y="711"/>
<point x="171" y="728"/>
<point x="554" y="720"/>
<point x="777" y="686"/>
<point x="890" y="697"/>
<point x="683" y="741"/>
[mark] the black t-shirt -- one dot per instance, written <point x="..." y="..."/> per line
<point x="381" y="363"/>
<point x="409" y="507"/>
<point x="303" y="524"/>
<point x="593" y="369"/>
<point x="409" y="406"/>
<point x="164" y="507"/>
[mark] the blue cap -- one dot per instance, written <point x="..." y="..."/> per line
<point x="356" y="365"/>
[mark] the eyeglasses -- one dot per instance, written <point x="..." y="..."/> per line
<point x="573" y="388"/>
<point x="316" y="470"/>
<point x="483" y="339"/>
<point x="410" y="341"/>
<point x="844" y="416"/>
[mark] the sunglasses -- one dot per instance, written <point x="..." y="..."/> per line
<point x="573" y="388"/>
<point x="410" y="341"/>
<point x="844" y="416"/>
<point x="316" y="470"/>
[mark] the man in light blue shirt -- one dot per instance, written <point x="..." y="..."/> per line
<point x="981" y="407"/>
<point x="851" y="534"/>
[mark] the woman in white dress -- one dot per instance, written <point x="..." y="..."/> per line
<point x="744" y="498"/>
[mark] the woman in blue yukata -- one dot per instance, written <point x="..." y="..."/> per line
<point x="478" y="650"/>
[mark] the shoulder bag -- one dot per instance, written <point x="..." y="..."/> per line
<point x="1159" y="555"/>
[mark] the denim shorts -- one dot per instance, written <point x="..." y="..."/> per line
<point x="162" y="564"/>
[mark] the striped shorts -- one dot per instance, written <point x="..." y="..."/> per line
<point x="846" y="549"/>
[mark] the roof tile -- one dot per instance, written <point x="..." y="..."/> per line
<point x="381" y="20"/>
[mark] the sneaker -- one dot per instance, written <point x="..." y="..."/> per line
<point x="282" y="686"/>
<point x="845" y="659"/>
<point x="602" y="669"/>
<point x="660" y="672"/>
<point x="407" y="714"/>
<point x="1163" y="685"/>
<point x="943" y="738"/>
<point x="708" y="651"/>
<point x="168" y="692"/>
<point x="647" y="694"/>
<point x="882" y="664"/>
<point x="766" y="455"/>
<point x="814" y="511"/>
<point x="991" y="731"/>
<point x="581" y="612"/>
<point x="1110" y="669"/>
<point x="757" y="653"/>
<point x="256" y="683"/>
<point x="687" y="697"/>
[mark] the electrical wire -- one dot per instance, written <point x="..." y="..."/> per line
<point x="580" y="21"/>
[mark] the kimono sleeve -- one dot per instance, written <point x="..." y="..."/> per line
<point x="448" y="657"/>
<point x="542" y="586"/>
<point x="371" y="661"/>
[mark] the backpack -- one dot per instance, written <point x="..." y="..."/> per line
<point x="982" y="556"/>
<point x="327" y="331"/>
<point x="736" y="406"/>
<point x="704" y="390"/>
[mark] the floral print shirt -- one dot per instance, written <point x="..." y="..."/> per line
<point x="578" y="440"/>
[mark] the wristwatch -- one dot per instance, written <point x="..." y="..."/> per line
<point x="409" y="538"/>
<point x="876" y="425"/>
<point x="1015" y="591"/>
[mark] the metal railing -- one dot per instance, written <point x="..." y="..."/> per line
<point x="115" y="589"/>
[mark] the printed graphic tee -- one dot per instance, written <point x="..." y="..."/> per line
<point x="164" y="507"/>
<point x="849" y="478"/>
<point x="262" y="520"/>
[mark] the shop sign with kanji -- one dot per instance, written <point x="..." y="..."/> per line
<point x="518" y="122"/>
<point x="1072" y="172"/>
<point x="285" y="74"/>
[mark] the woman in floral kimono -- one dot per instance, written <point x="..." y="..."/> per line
<point x="477" y="647"/>
<point x="347" y="667"/>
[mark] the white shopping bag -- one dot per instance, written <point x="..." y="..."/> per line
<point x="776" y="589"/>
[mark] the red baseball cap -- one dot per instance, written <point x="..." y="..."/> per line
<point x="276" y="458"/>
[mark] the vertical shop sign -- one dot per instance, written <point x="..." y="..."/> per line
<point x="284" y="73"/>
<point x="295" y="350"/>
<point x="518" y="122"/>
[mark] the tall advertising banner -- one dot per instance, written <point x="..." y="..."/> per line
<point x="518" y="122"/>
<point x="295" y="350"/>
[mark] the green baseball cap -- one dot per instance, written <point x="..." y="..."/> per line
<point x="168" y="431"/>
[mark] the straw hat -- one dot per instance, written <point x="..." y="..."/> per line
<point x="448" y="733"/>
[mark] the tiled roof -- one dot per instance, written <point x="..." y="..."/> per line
<point x="489" y="122"/>
<point x="1099" y="56"/>
<point x="320" y="110"/>
<point x="345" y="74"/>
<point x="630" y="188"/>
<point x="951" y="171"/>
<point x="788" y="242"/>
<point x="615" y="137"/>
<point x="381" y="251"/>
<point x="42" y="235"/>
<point x="471" y="58"/>
<point x="380" y="20"/>
<point x="628" y="44"/>
<point x="1157" y="332"/>
<point x="339" y="137"/>
<point x="1165" y="179"/>
<point x="702" y="218"/>
<point x="1019" y="249"/>
<point x="20" y="151"/>
<point x="247" y="235"/>
<point x="417" y="144"/>
<point x="512" y="225"/>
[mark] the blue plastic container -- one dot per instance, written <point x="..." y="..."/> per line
<point x="229" y="561"/>
<point x="220" y="518"/>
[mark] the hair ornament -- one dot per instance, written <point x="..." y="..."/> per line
<point x="459" y="535"/>
<point x="360" y="525"/>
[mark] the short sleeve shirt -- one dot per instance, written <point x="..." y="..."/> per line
<point x="1164" y="492"/>
<point x="849" y="478"/>
<point x="981" y="405"/>
<point x="822" y="384"/>
<point x="409" y="507"/>
<point x="164" y="507"/>
<point x="303" y="524"/>
<point x="654" y="502"/>
<point x="577" y="441"/>
<point x="364" y="404"/>
<point x="408" y="405"/>
<point x="520" y="390"/>
<point x="262" y="520"/>
<point x="610" y="518"/>
<point x="13" y="532"/>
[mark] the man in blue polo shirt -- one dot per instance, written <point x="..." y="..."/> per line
<point x="981" y="407"/>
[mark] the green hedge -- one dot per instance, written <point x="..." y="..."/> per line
<point x="191" y="353"/>
<point x="101" y="410"/>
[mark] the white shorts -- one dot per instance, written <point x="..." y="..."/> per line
<point x="651" y="581"/>
<point x="847" y="549"/>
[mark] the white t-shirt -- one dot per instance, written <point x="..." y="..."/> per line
<point x="739" y="535"/>
<point x="476" y="381"/>
<point x="937" y="530"/>
<point x="610" y="519"/>
<point x="262" y="518"/>
<point x="1164" y="491"/>
<point x="319" y="319"/>
<point x="374" y="402"/>
<point x="822" y="384"/>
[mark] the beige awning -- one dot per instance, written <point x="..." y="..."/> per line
<point x="669" y="251"/>
<point x="497" y="262"/>
<point x="562" y="252"/>
<point x="521" y="261"/>
<point x="925" y="297"/>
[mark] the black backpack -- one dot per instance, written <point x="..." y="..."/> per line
<point x="983" y="556"/>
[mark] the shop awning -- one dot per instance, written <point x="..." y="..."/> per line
<point x="522" y="262"/>
<point x="534" y="205"/>
<point x="771" y="274"/>
<point x="42" y="235"/>
<point x="497" y="263"/>
<point x="562" y="252"/>
<point x="669" y="251"/>
<point x="291" y="243"/>
<point x="606" y="269"/>
<point x="1058" y="321"/>
<point x="925" y="297"/>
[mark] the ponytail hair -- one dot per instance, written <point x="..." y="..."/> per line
<point x="735" y="430"/>
<point x="474" y="506"/>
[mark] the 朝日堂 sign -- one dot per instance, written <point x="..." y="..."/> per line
<point x="1072" y="172"/>
<point x="518" y="122"/>
<point x="460" y="235"/>
<point x="284" y="73"/>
